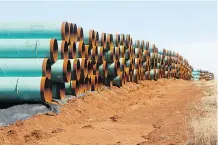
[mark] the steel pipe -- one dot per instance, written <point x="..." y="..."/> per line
<point x="90" y="68"/>
<point x="122" y="39"/>
<point x="72" y="50"/>
<point x="22" y="89"/>
<point x="80" y="49"/>
<point x="142" y="45"/>
<point x="117" y="53"/>
<point x="25" y="67"/>
<point x="62" y="49"/>
<point x="136" y="76"/>
<point x="61" y="71"/>
<point x="95" y="69"/>
<point x="153" y="74"/>
<point x="79" y="34"/>
<point x="89" y="38"/>
<point x="103" y="72"/>
<point x="129" y="64"/>
<point x="127" y="41"/>
<point x="72" y="88"/>
<point x="116" y="40"/>
<point x="117" y="81"/>
<point x="114" y="68"/>
<point x="122" y="64"/>
<point x="93" y="83"/>
<point x="31" y="30"/>
<point x="137" y="63"/>
<point x="83" y="67"/>
<point x="29" y="48"/>
<point x="103" y="40"/>
<point x="122" y="51"/>
<point x="58" y="90"/>
<point x="136" y="44"/>
<point x="75" y="69"/>
<point x="109" y="39"/>
<point x="93" y="54"/>
<point x="127" y="74"/>
<point x="96" y="38"/>
<point x="138" y="53"/>
<point x="100" y="54"/>
<point x="109" y="56"/>
<point x="73" y="32"/>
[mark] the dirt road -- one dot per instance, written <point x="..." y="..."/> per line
<point x="152" y="112"/>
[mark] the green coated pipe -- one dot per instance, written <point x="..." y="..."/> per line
<point x="109" y="56"/>
<point x="103" y="70"/>
<point x="25" y="67"/>
<point x="129" y="64"/>
<point x="58" y="90"/>
<point x="113" y="68"/>
<point x="25" y="89"/>
<point x="117" y="81"/>
<point x="61" y="71"/>
<point x="34" y="30"/>
<point x="29" y="48"/>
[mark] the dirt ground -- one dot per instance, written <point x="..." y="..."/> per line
<point x="151" y="112"/>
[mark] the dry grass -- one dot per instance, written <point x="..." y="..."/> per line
<point x="204" y="125"/>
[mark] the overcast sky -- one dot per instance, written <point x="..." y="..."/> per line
<point x="186" y="27"/>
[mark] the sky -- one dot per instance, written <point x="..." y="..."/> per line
<point x="188" y="28"/>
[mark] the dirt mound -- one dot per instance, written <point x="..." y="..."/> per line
<point x="151" y="112"/>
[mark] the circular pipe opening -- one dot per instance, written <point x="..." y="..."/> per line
<point x="96" y="38"/>
<point x="46" y="68"/>
<point x="67" y="70"/>
<point x="75" y="87"/>
<point x="64" y="50"/>
<point x="117" y="69"/>
<point x="80" y="34"/>
<point x="72" y="50"/>
<point x="73" y="32"/>
<point x="103" y="40"/>
<point x="93" y="82"/>
<point x="78" y="69"/>
<point x="53" y="50"/>
<point x="61" y="90"/>
<point x="45" y="89"/>
<point x="90" y="68"/>
<point x="65" y="35"/>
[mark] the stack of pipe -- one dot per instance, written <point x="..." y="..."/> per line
<point x="41" y="62"/>
<point x="202" y="74"/>
<point x="34" y="61"/>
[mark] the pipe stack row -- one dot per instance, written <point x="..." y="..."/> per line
<point x="41" y="62"/>
<point x="202" y="75"/>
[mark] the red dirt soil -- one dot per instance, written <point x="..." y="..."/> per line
<point x="151" y="112"/>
